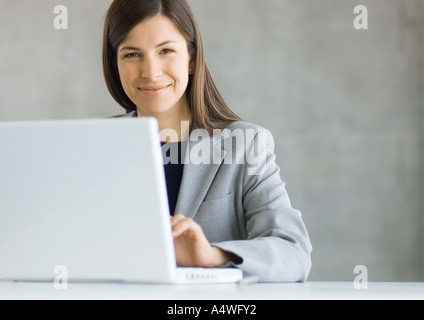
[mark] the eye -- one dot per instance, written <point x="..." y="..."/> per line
<point x="132" y="55"/>
<point x="167" y="51"/>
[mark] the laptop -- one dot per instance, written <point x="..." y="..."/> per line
<point x="88" y="197"/>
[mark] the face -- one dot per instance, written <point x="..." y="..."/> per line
<point x="154" y="66"/>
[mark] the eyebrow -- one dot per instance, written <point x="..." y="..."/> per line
<point x="129" y="48"/>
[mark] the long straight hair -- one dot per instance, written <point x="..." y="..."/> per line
<point x="206" y="105"/>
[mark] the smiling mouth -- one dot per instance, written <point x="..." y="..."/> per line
<point x="154" y="91"/>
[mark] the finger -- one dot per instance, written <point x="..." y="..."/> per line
<point x="176" y="219"/>
<point x="182" y="226"/>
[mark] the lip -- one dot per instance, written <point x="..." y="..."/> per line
<point x="153" y="90"/>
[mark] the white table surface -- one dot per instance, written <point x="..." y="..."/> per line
<point x="258" y="291"/>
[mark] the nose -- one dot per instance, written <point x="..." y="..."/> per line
<point x="151" y="69"/>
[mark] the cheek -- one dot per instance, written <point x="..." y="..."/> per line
<point x="126" y="74"/>
<point x="179" y="72"/>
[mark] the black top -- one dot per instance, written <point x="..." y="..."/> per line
<point x="173" y="153"/>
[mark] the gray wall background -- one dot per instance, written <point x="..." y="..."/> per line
<point x="346" y="107"/>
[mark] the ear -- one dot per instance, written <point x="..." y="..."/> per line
<point x="191" y="67"/>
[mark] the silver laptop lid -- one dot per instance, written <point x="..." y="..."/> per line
<point x="89" y="195"/>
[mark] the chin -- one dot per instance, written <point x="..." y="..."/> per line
<point x="153" y="111"/>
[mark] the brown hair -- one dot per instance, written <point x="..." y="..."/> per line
<point x="206" y="105"/>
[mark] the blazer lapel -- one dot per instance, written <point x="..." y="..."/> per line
<point x="197" y="178"/>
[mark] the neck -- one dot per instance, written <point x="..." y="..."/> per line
<point x="175" y="123"/>
<point x="174" y="128"/>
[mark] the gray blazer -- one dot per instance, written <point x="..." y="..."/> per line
<point x="232" y="187"/>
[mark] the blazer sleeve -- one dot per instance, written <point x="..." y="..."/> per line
<point x="278" y="248"/>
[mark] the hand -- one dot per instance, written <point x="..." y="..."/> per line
<point x="192" y="249"/>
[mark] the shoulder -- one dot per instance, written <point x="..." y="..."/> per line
<point x="131" y="114"/>
<point x="244" y="125"/>
<point x="249" y="129"/>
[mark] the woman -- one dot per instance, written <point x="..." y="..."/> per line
<point x="232" y="209"/>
